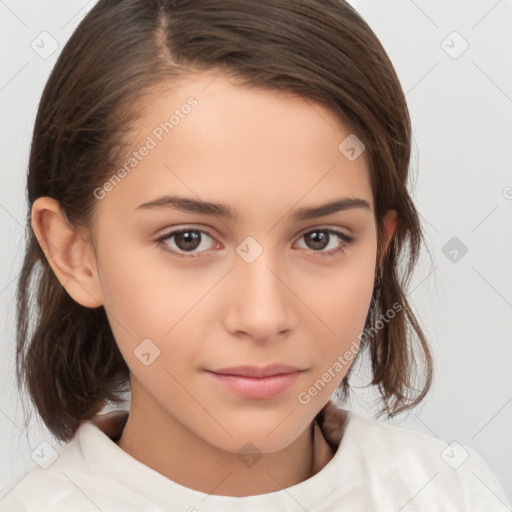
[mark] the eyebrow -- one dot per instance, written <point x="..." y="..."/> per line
<point x="190" y="205"/>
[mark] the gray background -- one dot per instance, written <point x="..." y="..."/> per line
<point x="461" y="108"/>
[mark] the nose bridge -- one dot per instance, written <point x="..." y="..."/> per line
<point x="256" y="272"/>
<point x="262" y="302"/>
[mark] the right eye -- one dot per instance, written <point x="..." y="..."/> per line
<point x="185" y="241"/>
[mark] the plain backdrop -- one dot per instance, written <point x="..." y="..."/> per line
<point x="453" y="60"/>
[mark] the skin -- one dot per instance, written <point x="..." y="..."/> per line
<point x="263" y="153"/>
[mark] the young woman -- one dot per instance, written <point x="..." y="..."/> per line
<point x="218" y="207"/>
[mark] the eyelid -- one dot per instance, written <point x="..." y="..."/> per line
<point x="325" y="227"/>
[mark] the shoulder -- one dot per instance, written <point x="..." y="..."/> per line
<point x="432" y="472"/>
<point x="45" y="485"/>
<point x="63" y="480"/>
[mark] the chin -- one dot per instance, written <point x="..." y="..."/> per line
<point x="256" y="439"/>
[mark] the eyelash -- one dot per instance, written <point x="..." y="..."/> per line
<point x="348" y="240"/>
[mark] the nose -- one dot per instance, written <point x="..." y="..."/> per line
<point x="261" y="304"/>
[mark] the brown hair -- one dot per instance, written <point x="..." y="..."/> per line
<point x="319" y="49"/>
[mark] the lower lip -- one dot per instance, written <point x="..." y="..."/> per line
<point x="259" y="388"/>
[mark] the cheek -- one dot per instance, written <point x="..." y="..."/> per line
<point x="343" y="297"/>
<point x="144" y="292"/>
<point x="344" y="307"/>
<point x="350" y="303"/>
<point x="153" y="311"/>
<point x="342" y="304"/>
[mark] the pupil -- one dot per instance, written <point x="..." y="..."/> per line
<point x="190" y="239"/>
<point x="319" y="239"/>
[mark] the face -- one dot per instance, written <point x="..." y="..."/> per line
<point x="187" y="292"/>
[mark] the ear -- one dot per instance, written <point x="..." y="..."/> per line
<point x="69" y="255"/>
<point x="389" y="222"/>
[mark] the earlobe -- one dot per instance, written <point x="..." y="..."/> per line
<point x="70" y="257"/>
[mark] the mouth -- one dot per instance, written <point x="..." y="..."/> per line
<point x="256" y="371"/>
<point x="257" y="383"/>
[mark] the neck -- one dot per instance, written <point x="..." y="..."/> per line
<point x="158" y="440"/>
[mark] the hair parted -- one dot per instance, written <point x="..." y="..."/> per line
<point x="67" y="360"/>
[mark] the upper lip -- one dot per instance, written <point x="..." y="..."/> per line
<point x="255" y="371"/>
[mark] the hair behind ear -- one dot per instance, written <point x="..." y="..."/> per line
<point x="72" y="363"/>
<point x="401" y="370"/>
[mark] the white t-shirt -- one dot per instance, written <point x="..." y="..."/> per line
<point x="376" y="467"/>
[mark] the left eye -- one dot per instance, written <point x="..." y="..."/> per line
<point x="322" y="236"/>
<point x="188" y="240"/>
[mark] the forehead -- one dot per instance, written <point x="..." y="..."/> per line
<point x="210" y="137"/>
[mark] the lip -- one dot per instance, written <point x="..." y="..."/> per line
<point x="272" y="381"/>
<point x="256" y="371"/>
<point x="257" y="387"/>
